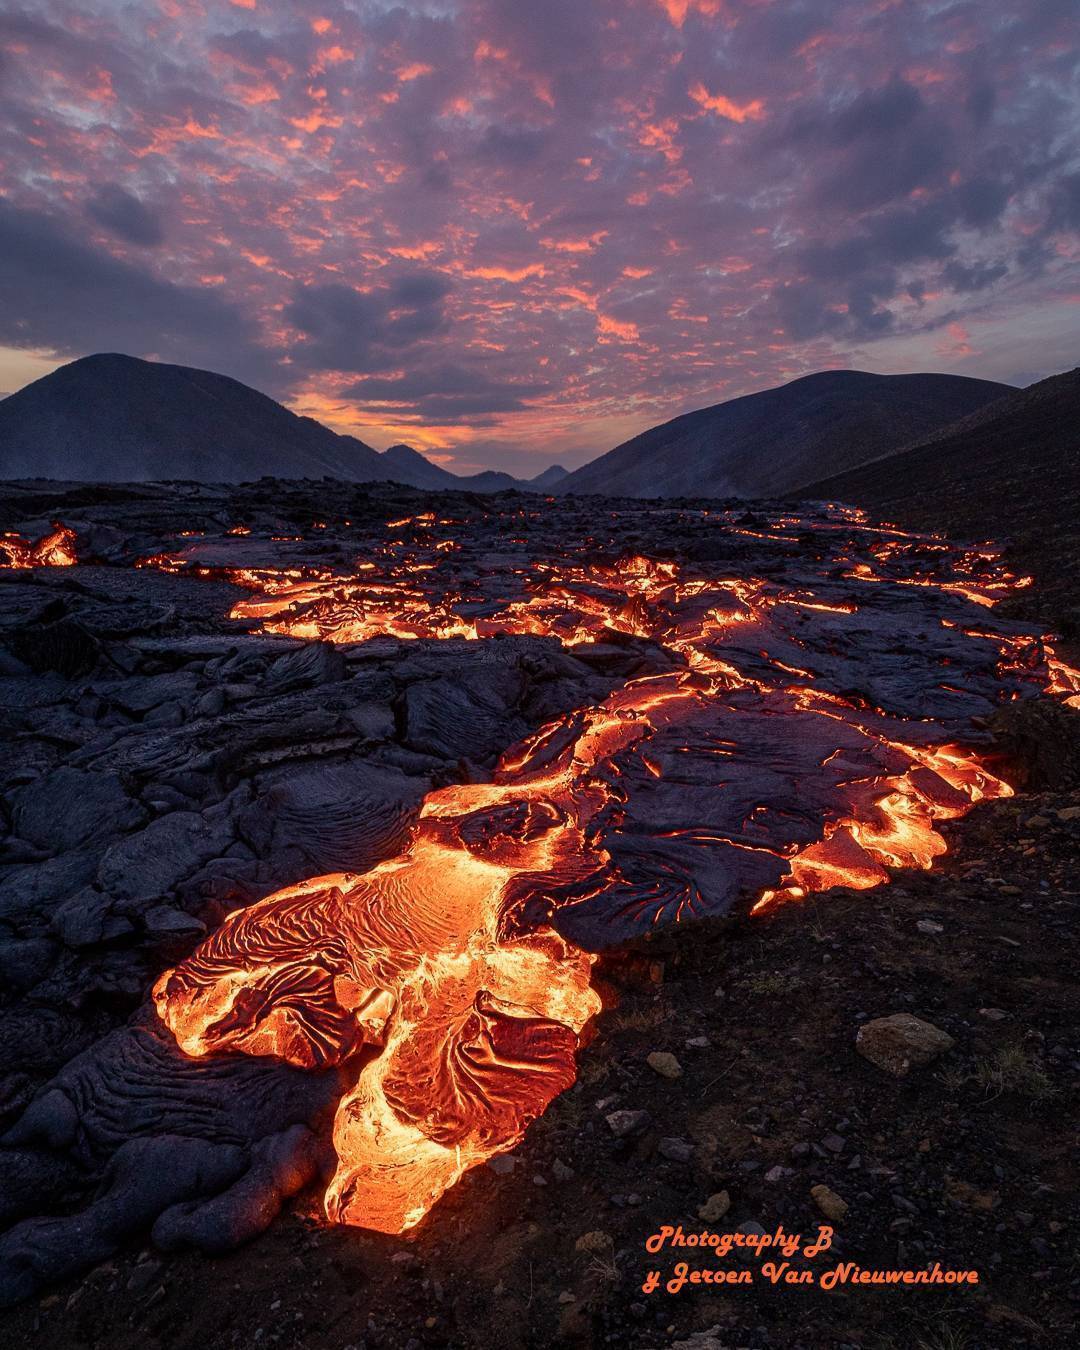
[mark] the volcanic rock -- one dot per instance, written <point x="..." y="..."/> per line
<point x="287" y="757"/>
<point x="901" y="1042"/>
<point x="675" y="1150"/>
<point x="831" y="1205"/>
<point x="626" y="1122"/>
<point x="664" y="1063"/>
<point x="152" y="862"/>
<point x="69" y="807"/>
<point x="715" y="1207"/>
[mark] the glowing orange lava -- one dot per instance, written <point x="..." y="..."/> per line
<point x="54" y="550"/>
<point x="453" y="975"/>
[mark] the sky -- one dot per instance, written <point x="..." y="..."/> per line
<point x="514" y="232"/>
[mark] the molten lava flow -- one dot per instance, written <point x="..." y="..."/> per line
<point x="810" y="726"/>
<point x="54" y="550"/>
<point x="478" y="1017"/>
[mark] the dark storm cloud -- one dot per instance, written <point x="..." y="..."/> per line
<point x="1065" y="203"/>
<point x="124" y="215"/>
<point x="350" y="331"/>
<point x="448" y="390"/>
<point x="898" y="236"/>
<point x="57" y="292"/>
<point x="877" y="148"/>
<point x="511" y="145"/>
<point x="981" y="200"/>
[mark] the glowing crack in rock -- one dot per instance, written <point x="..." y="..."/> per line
<point x="818" y="718"/>
<point x="56" y="549"/>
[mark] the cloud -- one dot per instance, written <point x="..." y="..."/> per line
<point x="59" y="294"/>
<point x="448" y="391"/>
<point x="561" y="221"/>
<point x="348" y="330"/>
<point x="965" y="278"/>
<point x="511" y="145"/>
<point x="124" y="215"/>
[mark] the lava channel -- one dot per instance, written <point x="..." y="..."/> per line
<point x="818" y="719"/>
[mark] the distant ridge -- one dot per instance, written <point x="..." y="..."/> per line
<point x="115" y="418"/>
<point x="777" y="440"/>
<point x="414" y="469"/>
<point x="548" y="479"/>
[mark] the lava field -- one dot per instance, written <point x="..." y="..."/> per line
<point x="321" y="801"/>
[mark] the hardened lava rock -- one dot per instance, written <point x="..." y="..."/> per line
<point x="356" y="780"/>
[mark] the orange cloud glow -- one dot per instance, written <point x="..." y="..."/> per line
<point x="726" y="107"/>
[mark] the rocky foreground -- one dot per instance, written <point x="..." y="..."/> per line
<point x="895" y="1063"/>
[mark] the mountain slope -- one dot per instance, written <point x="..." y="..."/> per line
<point x="1009" y="472"/>
<point x="984" y="474"/>
<point x="116" y="418"/>
<point x="403" y="464"/>
<point x="552" y="475"/>
<point x="779" y="439"/>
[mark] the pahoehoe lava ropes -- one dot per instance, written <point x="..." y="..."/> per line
<point x="823" y="708"/>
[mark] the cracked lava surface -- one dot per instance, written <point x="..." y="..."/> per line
<point x="816" y="726"/>
<point x="808" y="696"/>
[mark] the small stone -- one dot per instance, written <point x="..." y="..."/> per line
<point x="594" y="1241"/>
<point x="1068" y="813"/>
<point x="675" y="1150"/>
<point x="1037" y="822"/>
<point x="502" y="1164"/>
<point x="901" y="1042"/>
<point x="831" y="1205"/>
<point x="560" y="1171"/>
<point x="833" y="1142"/>
<point x="715" y="1207"/>
<point x="665" y="1064"/>
<point x="777" y="1173"/>
<point x="567" y="1297"/>
<point x="166" y="921"/>
<point x="993" y="1014"/>
<point x="930" y="927"/>
<point x="698" y="1043"/>
<point x="623" y="1123"/>
<point x="539" y="1180"/>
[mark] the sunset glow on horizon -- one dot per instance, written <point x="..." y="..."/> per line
<point x="513" y="233"/>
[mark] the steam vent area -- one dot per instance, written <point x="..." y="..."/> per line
<point x="342" y="824"/>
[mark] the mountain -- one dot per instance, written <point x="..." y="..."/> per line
<point x="406" y="465"/>
<point x="999" y="471"/>
<point x="777" y="440"/>
<point x="1010" y="473"/>
<point x="548" y="479"/>
<point x="116" y="418"/>
<point x="490" y="480"/>
<point x="113" y="418"/>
